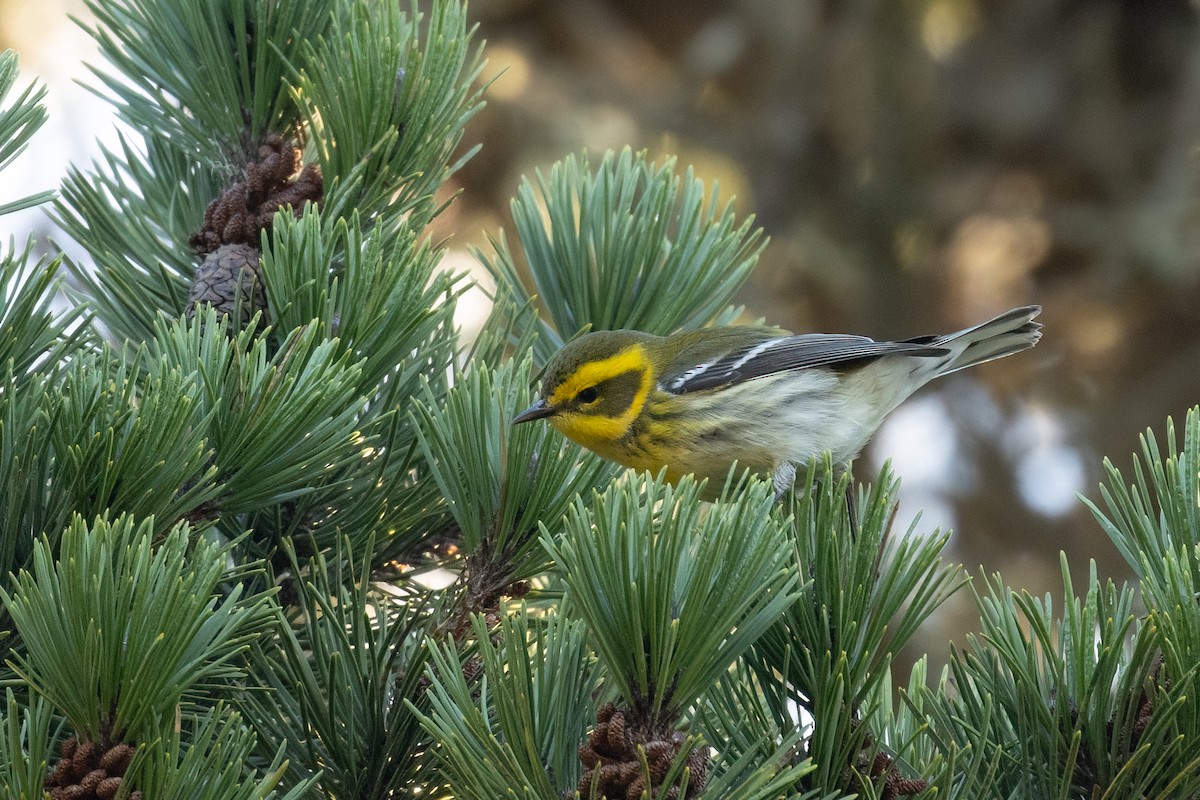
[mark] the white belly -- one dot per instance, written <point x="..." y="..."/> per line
<point x="795" y="417"/>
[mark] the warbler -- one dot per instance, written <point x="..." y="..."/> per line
<point x="696" y="402"/>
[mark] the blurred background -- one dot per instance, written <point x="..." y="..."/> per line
<point x="920" y="165"/>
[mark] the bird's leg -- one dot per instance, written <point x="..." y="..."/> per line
<point x="783" y="478"/>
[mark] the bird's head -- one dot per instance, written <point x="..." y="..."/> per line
<point x="595" y="387"/>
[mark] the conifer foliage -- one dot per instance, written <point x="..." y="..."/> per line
<point x="232" y="469"/>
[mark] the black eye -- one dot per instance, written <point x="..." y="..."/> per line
<point x="588" y="395"/>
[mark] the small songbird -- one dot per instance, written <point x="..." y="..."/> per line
<point x="696" y="402"/>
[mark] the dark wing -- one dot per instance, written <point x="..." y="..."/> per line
<point x="767" y="357"/>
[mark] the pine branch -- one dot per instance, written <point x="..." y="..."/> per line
<point x="1155" y="523"/>
<point x="386" y="96"/>
<point x="25" y="744"/>
<point x="26" y="459"/>
<point x="536" y="684"/>
<point x="910" y="741"/>
<point x="278" y="425"/>
<point x="117" y="633"/>
<point x="466" y="740"/>
<point x="1157" y="513"/>
<point x="499" y="481"/>
<point x="641" y="565"/>
<point x="1076" y="705"/>
<point x="34" y="338"/>
<point x="19" y="121"/>
<point x="205" y="80"/>
<point x="380" y="295"/>
<point x="509" y="331"/>
<point x="92" y="440"/>
<point x="207" y="75"/>
<point x="758" y="751"/>
<point x="868" y="592"/>
<point x="628" y="246"/>
<point x="337" y="680"/>
<point x="134" y="213"/>
<point x="210" y="763"/>
<point x="32" y="335"/>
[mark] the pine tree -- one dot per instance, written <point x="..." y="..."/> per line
<point x="229" y="467"/>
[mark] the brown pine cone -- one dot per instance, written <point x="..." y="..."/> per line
<point x="230" y="280"/>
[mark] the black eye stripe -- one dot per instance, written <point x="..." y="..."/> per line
<point x="617" y="393"/>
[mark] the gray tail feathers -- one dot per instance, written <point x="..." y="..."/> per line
<point x="1011" y="332"/>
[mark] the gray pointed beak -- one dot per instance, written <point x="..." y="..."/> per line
<point x="538" y="410"/>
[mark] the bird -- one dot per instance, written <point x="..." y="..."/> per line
<point x="696" y="402"/>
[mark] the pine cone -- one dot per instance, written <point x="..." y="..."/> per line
<point x="612" y="747"/>
<point x="230" y="280"/>
<point x="88" y="772"/>
<point x="895" y="785"/>
<point x="247" y="207"/>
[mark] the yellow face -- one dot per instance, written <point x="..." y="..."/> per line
<point x="595" y="399"/>
<point x="600" y="400"/>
